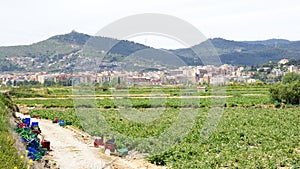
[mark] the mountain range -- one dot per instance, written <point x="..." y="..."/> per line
<point x="63" y="53"/>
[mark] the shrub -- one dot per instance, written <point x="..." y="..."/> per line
<point x="289" y="91"/>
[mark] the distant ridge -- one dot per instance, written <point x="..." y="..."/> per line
<point x="249" y="52"/>
<point x="59" y="52"/>
<point x="269" y="42"/>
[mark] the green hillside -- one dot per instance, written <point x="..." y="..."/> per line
<point x="247" y="53"/>
<point x="60" y="53"/>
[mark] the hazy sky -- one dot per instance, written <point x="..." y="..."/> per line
<point x="29" y="21"/>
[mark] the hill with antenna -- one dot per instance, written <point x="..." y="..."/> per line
<point x="59" y="53"/>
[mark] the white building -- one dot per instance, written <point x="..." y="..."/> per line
<point x="292" y="68"/>
<point x="283" y="61"/>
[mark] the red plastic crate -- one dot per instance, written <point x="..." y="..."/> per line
<point x="98" y="142"/>
<point x="23" y="125"/>
<point x="110" y="146"/>
<point x="46" y="144"/>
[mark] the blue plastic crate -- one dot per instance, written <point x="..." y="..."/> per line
<point x="27" y="121"/>
<point x="61" y="122"/>
<point x="34" y="124"/>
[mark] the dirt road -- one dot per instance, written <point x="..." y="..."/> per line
<point x="68" y="150"/>
<point x="73" y="149"/>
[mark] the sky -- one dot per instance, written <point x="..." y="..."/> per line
<point x="30" y="21"/>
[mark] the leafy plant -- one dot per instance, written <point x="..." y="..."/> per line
<point x="9" y="156"/>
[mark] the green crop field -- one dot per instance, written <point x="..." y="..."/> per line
<point x="251" y="133"/>
<point x="245" y="137"/>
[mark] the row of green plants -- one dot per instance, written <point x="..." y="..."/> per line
<point x="107" y="103"/>
<point x="61" y="91"/>
<point x="25" y="92"/>
<point x="46" y="103"/>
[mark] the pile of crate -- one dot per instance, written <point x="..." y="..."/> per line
<point x="108" y="144"/>
<point x="30" y="133"/>
<point x="61" y="122"/>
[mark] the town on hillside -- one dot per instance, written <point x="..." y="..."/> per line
<point x="188" y="75"/>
